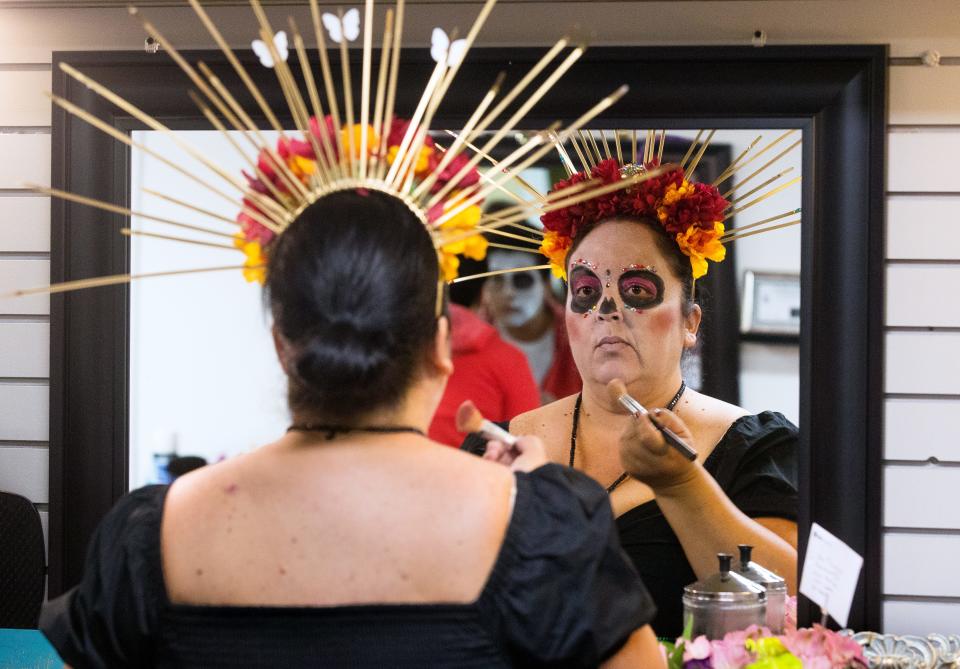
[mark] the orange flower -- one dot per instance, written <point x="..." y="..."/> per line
<point x="449" y="266"/>
<point x="421" y="166"/>
<point x="255" y="266"/>
<point x="556" y="246"/>
<point x="701" y="245"/>
<point x="473" y="246"/>
<point x="674" y="192"/>
<point x="373" y="142"/>
<point x="301" y="167"/>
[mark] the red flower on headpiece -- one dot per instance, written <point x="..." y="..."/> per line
<point x="666" y="199"/>
<point x="398" y="128"/>
<point x="471" y="178"/>
<point x="253" y="231"/>
<point x="294" y="147"/>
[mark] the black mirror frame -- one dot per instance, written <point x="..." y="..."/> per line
<point x="835" y="94"/>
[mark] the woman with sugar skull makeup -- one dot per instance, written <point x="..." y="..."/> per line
<point x="521" y="306"/>
<point x="631" y="259"/>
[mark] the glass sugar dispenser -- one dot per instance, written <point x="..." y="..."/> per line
<point x="775" y="586"/>
<point x="724" y="602"/>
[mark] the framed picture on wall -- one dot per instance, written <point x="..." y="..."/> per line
<point x="770" y="306"/>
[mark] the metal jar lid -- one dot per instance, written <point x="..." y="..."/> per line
<point x="758" y="573"/>
<point x="725" y="586"/>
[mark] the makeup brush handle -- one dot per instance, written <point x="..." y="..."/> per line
<point x="491" y="430"/>
<point x="679" y="444"/>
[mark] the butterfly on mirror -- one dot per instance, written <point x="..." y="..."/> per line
<point x="347" y="26"/>
<point x="262" y="51"/>
<point x="442" y="48"/>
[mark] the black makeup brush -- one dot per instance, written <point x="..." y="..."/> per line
<point x="618" y="391"/>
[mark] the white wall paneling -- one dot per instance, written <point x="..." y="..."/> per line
<point x="24" y="224"/>
<point x="16" y="274"/>
<point x="29" y="35"/>
<point x="921" y="564"/>
<point x="921" y="618"/>
<point x="921" y="496"/>
<point x="32" y="162"/>
<point x="24" y="350"/>
<point x="918" y="429"/>
<point x="924" y="95"/>
<point x="923" y="295"/>
<point x="24" y="412"/>
<point x="23" y="102"/>
<point x="922" y="160"/>
<point x="923" y="363"/>
<point x="23" y="470"/>
<point x="923" y="227"/>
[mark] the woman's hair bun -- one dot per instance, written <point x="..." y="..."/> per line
<point x="352" y="287"/>
<point x="338" y="356"/>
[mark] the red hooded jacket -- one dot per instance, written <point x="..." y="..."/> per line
<point x="487" y="370"/>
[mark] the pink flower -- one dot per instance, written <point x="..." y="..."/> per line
<point x="730" y="653"/>
<point x="753" y="632"/>
<point x="698" y="649"/>
<point x="790" y="615"/>
<point x="727" y="655"/>
<point x="295" y="147"/>
<point x="821" y="648"/>
<point x="435" y="212"/>
<point x="254" y="231"/>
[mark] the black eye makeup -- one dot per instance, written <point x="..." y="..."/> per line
<point x="586" y="290"/>
<point x="640" y="287"/>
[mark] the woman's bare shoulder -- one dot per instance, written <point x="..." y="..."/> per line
<point x="708" y="416"/>
<point x="541" y="420"/>
<point x="552" y="423"/>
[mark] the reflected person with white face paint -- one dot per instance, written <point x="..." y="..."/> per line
<point x="520" y="306"/>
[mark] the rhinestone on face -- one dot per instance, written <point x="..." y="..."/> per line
<point x="635" y="266"/>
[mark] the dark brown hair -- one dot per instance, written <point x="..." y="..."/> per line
<point x="352" y="288"/>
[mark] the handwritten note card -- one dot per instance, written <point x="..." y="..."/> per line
<point x="830" y="574"/>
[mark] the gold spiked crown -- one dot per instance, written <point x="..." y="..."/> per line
<point x="335" y="148"/>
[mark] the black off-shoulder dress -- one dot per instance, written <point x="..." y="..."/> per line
<point x="755" y="464"/>
<point x="561" y="593"/>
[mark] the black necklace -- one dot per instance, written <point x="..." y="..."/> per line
<point x="333" y="430"/>
<point x="576" y="428"/>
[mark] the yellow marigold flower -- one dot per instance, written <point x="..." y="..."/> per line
<point x="463" y="220"/>
<point x="701" y="245"/>
<point x="301" y="167"/>
<point x="449" y="264"/>
<point x="473" y="246"/>
<point x="671" y="196"/>
<point x="422" y="164"/>
<point x="255" y="266"/>
<point x="373" y="142"/>
<point x="555" y="248"/>
<point x="673" y="193"/>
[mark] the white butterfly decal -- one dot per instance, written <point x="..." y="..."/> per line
<point x="349" y="27"/>
<point x="263" y="52"/>
<point x="441" y="48"/>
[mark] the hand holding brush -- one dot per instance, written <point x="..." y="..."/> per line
<point x="519" y="453"/>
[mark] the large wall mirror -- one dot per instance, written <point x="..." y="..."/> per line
<point x="793" y="319"/>
<point x="749" y="341"/>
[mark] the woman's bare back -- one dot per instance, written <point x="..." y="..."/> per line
<point x="357" y="520"/>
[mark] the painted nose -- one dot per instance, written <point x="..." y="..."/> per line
<point x="609" y="308"/>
